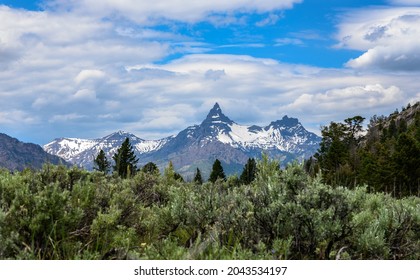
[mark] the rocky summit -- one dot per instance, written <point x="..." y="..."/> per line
<point x="198" y="146"/>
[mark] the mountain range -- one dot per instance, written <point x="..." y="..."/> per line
<point x="199" y="145"/>
<point x="16" y="155"/>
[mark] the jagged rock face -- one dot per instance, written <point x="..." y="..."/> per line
<point x="16" y="155"/>
<point x="199" y="145"/>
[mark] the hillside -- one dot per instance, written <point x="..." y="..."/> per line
<point x="386" y="157"/>
<point x="16" y="155"/>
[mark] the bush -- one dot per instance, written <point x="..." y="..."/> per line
<point x="69" y="213"/>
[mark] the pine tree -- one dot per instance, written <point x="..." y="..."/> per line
<point x="125" y="160"/>
<point x="249" y="171"/>
<point x="101" y="162"/>
<point x="217" y="172"/>
<point x="151" y="168"/>
<point x="197" y="177"/>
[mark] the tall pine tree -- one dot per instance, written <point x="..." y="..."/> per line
<point x="249" y="171"/>
<point x="217" y="172"/>
<point x="101" y="162"/>
<point x="125" y="160"/>
<point x="197" y="177"/>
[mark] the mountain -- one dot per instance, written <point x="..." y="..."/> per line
<point x="199" y="145"/>
<point x="82" y="152"/>
<point x="16" y="155"/>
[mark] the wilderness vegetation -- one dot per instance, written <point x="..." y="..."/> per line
<point x="386" y="158"/>
<point x="334" y="206"/>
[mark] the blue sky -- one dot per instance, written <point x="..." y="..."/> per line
<point x="86" y="68"/>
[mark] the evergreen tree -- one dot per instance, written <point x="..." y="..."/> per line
<point x="101" y="162"/>
<point x="197" y="177"/>
<point x="406" y="162"/>
<point x="217" y="172"/>
<point x="333" y="151"/>
<point x="249" y="171"/>
<point x="178" y="177"/>
<point x="151" y="168"/>
<point x="125" y="160"/>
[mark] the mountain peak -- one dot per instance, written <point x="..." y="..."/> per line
<point x="216" y="116"/>
<point x="286" y="122"/>
<point x="215" y="111"/>
<point x="121" y="135"/>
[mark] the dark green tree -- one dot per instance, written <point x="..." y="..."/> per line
<point x="125" y="160"/>
<point x="249" y="171"/>
<point x="337" y="155"/>
<point x="197" y="177"/>
<point x="151" y="168"/>
<point x="217" y="172"/>
<point x="101" y="162"/>
<point x="333" y="152"/>
<point x="354" y="128"/>
<point x="406" y="160"/>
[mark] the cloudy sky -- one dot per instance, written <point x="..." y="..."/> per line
<point x="86" y="68"/>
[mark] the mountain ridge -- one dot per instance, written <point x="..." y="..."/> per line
<point x="216" y="137"/>
<point x="16" y="155"/>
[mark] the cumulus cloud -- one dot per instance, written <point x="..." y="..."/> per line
<point x="388" y="37"/>
<point x="89" y="75"/>
<point x="348" y="98"/>
<point x="12" y="117"/>
<point x="68" y="71"/>
<point x="269" y="89"/>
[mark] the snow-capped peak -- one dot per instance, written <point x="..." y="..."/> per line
<point x="216" y="116"/>
<point x="216" y="135"/>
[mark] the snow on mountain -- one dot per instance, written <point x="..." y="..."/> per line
<point x="286" y="135"/>
<point x="216" y="137"/>
<point x="67" y="148"/>
<point x="82" y="152"/>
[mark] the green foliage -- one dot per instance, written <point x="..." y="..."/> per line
<point x="61" y="213"/>
<point x="150" y="167"/>
<point x="197" y="177"/>
<point x="386" y="158"/>
<point x="125" y="160"/>
<point x="101" y="163"/>
<point x="249" y="172"/>
<point x="217" y="172"/>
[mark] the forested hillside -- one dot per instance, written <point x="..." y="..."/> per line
<point x="61" y="213"/>
<point x="386" y="158"/>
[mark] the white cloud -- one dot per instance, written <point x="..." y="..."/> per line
<point x="348" y="98"/>
<point x="66" y="118"/>
<point x="288" y="41"/>
<point x="68" y="72"/>
<point x="269" y="89"/>
<point x="270" y="20"/>
<point x="150" y="12"/>
<point x="389" y="38"/>
<point x="89" y="75"/>
<point x="13" y="117"/>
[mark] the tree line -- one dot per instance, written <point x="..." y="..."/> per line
<point x="125" y="166"/>
<point x="386" y="157"/>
